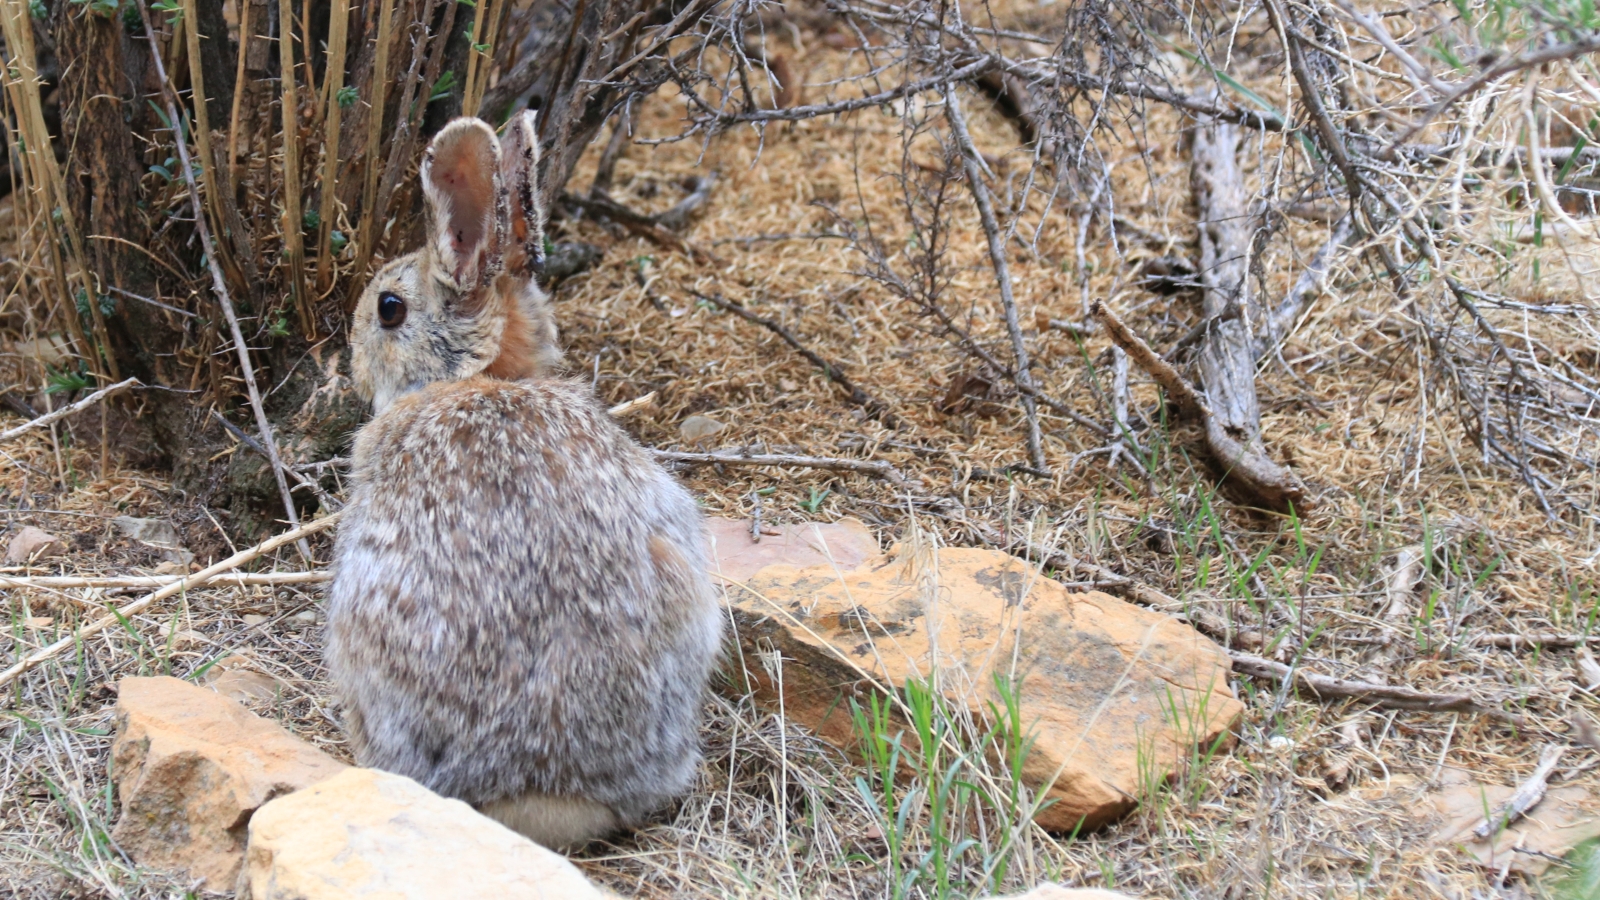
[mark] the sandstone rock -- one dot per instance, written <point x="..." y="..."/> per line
<point x="33" y="543"/>
<point x="191" y="767"/>
<point x="365" y="833"/>
<point x="1115" y="695"/>
<point x="698" y="429"/>
<point x="1057" y="892"/>
<point x="735" y="557"/>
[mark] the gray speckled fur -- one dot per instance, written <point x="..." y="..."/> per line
<point x="520" y="615"/>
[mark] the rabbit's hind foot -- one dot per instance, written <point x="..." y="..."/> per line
<point x="555" y="822"/>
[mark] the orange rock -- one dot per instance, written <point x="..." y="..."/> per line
<point x="735" y="557"/>
<point x="191" y="767"/>
<point x="370" y="834"/>
<point x="1116" y="696"/>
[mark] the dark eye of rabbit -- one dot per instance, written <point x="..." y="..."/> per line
<point x="391" y="310"/>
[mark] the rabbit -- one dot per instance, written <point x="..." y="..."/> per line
<point x="520" y="615"/>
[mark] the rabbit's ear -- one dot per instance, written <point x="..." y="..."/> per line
<point x="519" y="171"/>
<point x="460" y="181"/>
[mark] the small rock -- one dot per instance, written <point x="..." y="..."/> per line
<point x="305" y="618"/>
<point x="33" y="543"/>
<point x="157" y="533"/>
<point x="698" y="429"/>
<point x="38" y="622"/>
<point x="191" y="767"/>
<point x="365" y="833"/>
<point x="236" y="678"/>
<point x="788" y="385"/>
<point x="1116" y="696"/>
<point x="251" y="620"/>
<point x="735" y="557"/>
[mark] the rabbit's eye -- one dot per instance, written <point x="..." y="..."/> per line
<point x="391" y="310"/>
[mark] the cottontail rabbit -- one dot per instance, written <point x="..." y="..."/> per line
<point x="520" y="615"/>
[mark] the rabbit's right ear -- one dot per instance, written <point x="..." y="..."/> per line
<point x="460" y="179"/>
<point x="519" y="171"/>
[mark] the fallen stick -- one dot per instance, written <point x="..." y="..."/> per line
<point x="65" y="411"/>
<point x="1527" y="796"/>
<point x="203" y="577"/>
<point x="1268" y="483"/>
<point x="59" y="582"/>
<point x="219" y="284"/>
<point x="1539" y="639"/>
<point x="1383" y="695"/>
<point x="867" y="466"/>
<point x="972" y="164"/>
<point x="874" y="407"/>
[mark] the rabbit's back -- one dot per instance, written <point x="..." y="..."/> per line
<point x="520" y="600"/>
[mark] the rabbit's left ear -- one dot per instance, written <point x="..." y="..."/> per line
<point x="519" y="172"/>
<point x="460" y="179"/>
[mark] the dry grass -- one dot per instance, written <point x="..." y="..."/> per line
<point x="1338" y="809"/>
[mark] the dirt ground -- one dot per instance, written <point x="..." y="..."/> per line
<point x="1317" y="797"/>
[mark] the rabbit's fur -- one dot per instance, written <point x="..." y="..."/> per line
<point x="520" y="615"/>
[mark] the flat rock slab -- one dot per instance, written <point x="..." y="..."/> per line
<point x="735" y="556"/>
<point x="369" y="834"/>
<point x="191" y="766"/>
<point x="1116" y="696"/>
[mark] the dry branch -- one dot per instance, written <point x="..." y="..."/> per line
<point x="63" y="412"/>
<point x="255" y="579"/>
<point x="877" y="468"/>
<point x="971" y="163"/>
<point x="1540" y="639"/>
<point x="1263" y="480"/>
<point x="874" y="407"/>
<point x="1528" y="794"/>
<point x="203" y="577"/>
<point x="219" y="285"/>
<point x="1321" y="686"/>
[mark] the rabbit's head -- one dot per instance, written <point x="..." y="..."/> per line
<point x="455" y="307"/>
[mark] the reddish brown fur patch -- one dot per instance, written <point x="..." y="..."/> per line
<point x="517" y="342"/>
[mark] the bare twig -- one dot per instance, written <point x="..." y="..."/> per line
<point x="638" y="223"/>
<point x="874" y="407"/>
<point x="1188" y="401"/>
<point x="220" y="287"/>
<point x="1538" y="639"/>
<point x="1528" y="794"/>
<point x="972" y="164"/>
<point x="876" y="468"/>
<point x="256" y="579"/>
<point x="1264" y="480"/>
<point x="199" y="579"/>
<point x="1321" y="686"/>
<point x="63" y="412"/>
